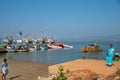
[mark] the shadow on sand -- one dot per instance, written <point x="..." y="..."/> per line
<point x="12" y="78"/>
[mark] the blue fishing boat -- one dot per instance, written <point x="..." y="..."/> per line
<point x="43" y="47"/>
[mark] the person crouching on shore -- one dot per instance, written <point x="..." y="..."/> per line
<point x="4" y="69"/>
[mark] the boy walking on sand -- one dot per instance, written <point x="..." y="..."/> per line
<point x="4" y="69"/>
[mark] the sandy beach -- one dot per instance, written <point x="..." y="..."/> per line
<point x="21" y="70"/>
<point x="91" y="66"/>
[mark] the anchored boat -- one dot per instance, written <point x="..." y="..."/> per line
<point x="91" y="48"/>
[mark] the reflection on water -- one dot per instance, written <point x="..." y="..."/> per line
<point x="60" y="56"/>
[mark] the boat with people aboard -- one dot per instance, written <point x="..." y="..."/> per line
<point x="92" y="48"/>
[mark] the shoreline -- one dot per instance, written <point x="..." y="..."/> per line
<point x="23" y="70"/>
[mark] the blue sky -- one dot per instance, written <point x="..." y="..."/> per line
<point x="63" y="19"/>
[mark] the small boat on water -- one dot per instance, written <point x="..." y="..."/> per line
<point x="58" y="46"/>
<point x="31" y="49"/>
<point x="23" y="50"/>
<point x="54" y="47"/>
<point x="11" y="48"/>
<point x="3" y="48"/>
<point x="44" y="47"/>
<point x="91" y="48"/>
<point x="67" y="46"/>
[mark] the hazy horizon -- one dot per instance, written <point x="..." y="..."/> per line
<point x="110" y="38"/>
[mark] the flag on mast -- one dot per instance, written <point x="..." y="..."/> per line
<point x="20" y="33"/>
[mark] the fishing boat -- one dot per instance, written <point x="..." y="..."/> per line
<point x="23" y="50"/>
<point x="91" y="48"/>
<point x="67" y="46"/>
<point x="58" y="46"/>
<point x="31" y="49"/>
<point x="53" y="46"/>
<point x="2" y="48"/>
<point x="44" y="47"/>
<point x="11" y="49"/>
<point x="19" y="41"/>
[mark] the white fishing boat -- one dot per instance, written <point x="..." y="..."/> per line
<point x="53" y="47"/>
<point x="10" y="49"/>
<point x="58" y="46"/>
<point x="67" y="46"/>
<point x="31" y="49"/>
<point x="19" y="41"/>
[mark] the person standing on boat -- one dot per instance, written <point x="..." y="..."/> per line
<point x="110" y="55"/>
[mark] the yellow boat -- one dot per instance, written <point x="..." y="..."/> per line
<point x="91" y="48"/>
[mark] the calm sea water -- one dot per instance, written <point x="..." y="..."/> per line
<point x="60" y="56"/>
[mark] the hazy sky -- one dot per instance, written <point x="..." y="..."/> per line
<point x="60" y="18"/>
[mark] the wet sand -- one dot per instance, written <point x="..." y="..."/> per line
<point x="21" y="70"/>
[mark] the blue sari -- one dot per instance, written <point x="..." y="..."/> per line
<point x="109" y="57"/>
